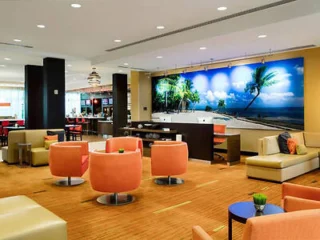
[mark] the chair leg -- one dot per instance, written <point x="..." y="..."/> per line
<point x="169" y="181"/>
<point x="219" y="156"/>
<point x="69" y="181"/>
<point x="116" y="199"/>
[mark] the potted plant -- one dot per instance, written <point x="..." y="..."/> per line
<point x="259" y="200"/>
<point x="121" y="150"/>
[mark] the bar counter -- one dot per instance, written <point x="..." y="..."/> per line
<point x="92" y="123"/>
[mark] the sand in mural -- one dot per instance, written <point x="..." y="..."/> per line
<point x="260" y="96"/>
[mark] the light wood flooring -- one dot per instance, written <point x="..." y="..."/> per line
<point x="159" y="212"/>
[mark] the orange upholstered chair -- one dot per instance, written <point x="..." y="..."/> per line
<point x="69" y="159"/>
<point x="219" y="128"/>
<point x="285" y="226"/>
<point x="127" y="143"/>
<point x="169" y="158"/>
<point x="298" y="197"/>
<point x="115" y="173"/>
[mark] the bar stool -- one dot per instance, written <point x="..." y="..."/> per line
<point x="86" y="124"/>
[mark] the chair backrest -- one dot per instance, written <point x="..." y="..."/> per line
<point x="5" y="123"/>
<point x="115" y="172"/>
<point x="169" y="158"/>
<point x="199" y="234"/>
<point x="20" y="122"/>
<point x="127" y="143"/>
<point x="219" y="128"/>
<point x="293" y="225"/>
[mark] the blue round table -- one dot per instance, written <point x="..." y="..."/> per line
<point x="241" y="211"/>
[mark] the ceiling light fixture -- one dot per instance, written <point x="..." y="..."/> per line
<point x="94" y="78"/>
<point x="7" y="59"/>
<point x="222" y="8"/>
<point x="202" y="48"/>
<point x="41" y="26"/>
<point x="17" y="40"/>
<point x="160" y="27"/>
<point x="2" y="65"/>
<point x="159" y="57"/>
<point x="126" y="64"/>
<point x="120" y="71"/>
<point x="76" y="5"/>
<point x="262" y="36"/>
<point x="117" y="41"/>
<point x="66" y="71"/>
<point x="69" y="65"/>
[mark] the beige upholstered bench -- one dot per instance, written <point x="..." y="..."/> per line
<point x="23" y="218"/>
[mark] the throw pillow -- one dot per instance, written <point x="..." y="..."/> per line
<point x="47" y="143"/>
<point x="301" y="149"/>
<point x="292" y="144"/>
<point x="53" y="137"/>
<point x="60" y="134"/>
<point x="282" y="141"/>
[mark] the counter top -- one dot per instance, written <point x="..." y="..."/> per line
<point x="11" y="119"/>
<point x="105" y="121"/>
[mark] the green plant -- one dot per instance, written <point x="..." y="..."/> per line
<point x="121" y="150"/>
<point x="259" y="199"/>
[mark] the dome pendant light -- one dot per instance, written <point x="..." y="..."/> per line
<point x="94" y="78"/>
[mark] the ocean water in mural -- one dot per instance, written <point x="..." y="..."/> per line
<point x="270" y="94"/>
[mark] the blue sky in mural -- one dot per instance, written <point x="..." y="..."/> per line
<point x="229" y="84"/>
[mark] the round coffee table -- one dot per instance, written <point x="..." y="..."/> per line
<point x="241" y="211"/>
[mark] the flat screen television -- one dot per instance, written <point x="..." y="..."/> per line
<point x="88" y="102"/>
<point x="110" y="101"/>
<point x="83" y="102"/>
<point x="105" y="101"/>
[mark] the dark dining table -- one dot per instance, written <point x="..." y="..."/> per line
<point x="67" y="129"/>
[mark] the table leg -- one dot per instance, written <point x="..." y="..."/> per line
<point x="20" y="156"/>
<point x="229" y="227"/>
<point x="233" y="152"/>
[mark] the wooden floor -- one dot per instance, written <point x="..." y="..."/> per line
<point x="159" y="213"/>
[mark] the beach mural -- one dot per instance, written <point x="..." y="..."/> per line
<point x="266" y="96"/>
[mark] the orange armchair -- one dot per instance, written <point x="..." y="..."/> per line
<point x="69" y="159"/>
<point x="115" y="172"/>
<point x="169" y="158"/>
<point x="218" y="128"/>
<point x="127" y="143"/>
<point x="291" y="226"/>
<point x="298" y="197"/>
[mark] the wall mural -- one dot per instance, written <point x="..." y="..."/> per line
<point x="260" y="96"/>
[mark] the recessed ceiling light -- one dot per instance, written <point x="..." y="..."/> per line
<point x="222" y="8"/>
<point x="17" y="40"/>
<point x="160" y="27"/>
<point x="41" y="26"/>
<point x="7" y="59"/>
<point x="262" y="36"/>
<point x="66" y="71"/>
<point x="117" y="41"/>
<point x="69" y="65"/>
<point x="202" y="48"/>
<point x="159" y="57"/>
<point x="126" y="64"/>
<point x="120" y="71"/>
<point x="2" y="65"/>
<point x="76" y="5"/>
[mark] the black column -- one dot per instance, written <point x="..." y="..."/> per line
<point x="33" y="95"/>
<point x="54" y="93"/>
<point x="120" y="102"/>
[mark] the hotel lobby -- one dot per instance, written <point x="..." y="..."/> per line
<point x="159" y="119"/>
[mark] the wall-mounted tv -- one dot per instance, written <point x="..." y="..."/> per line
<point x="83" y="102"/>
<point x="110" y="101"/>
<point x="105" y="101"/>
<point x="88" y="102"/>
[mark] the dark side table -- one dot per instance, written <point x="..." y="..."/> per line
<point x="241" y="211"/>
<point x="27" y="148"/>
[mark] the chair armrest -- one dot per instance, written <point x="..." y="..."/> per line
<point x="295" y="204"/>
<point x="300" y="191"/>
<point x="199" y="234"/>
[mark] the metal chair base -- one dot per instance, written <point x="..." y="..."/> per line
<point x="169" y="181"/>
<point x="116" y="199"/>
<point x="69" y="182"/>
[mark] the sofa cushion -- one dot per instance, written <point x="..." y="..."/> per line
<point x="47" y="143"/>
<point x="40" y="156"/>
<point x="301" y="149"/>
<point x="35" y="137"/>
<point x="282" y="141"/>
<point x="280" y="160"/>
<point x="292" y="144"/>
<point x="59" y="133"/>
<point x="270" y="145"/>
<point x="312" y="139"/>
<point x="299" y="136"/>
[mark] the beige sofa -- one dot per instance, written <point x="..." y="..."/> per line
<point x="272" y="165"/>
<point x="23" y="218"/>
<point x="35" y="137"/>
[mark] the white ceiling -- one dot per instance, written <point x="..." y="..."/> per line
<point x="81" y="36"/>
